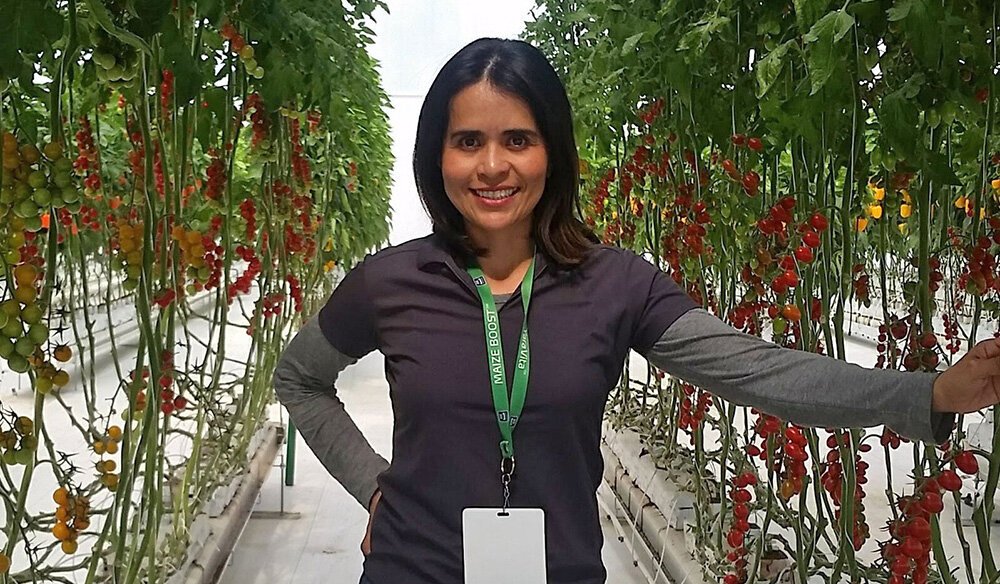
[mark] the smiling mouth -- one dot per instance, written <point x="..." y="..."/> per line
<point x="495" y="195"/>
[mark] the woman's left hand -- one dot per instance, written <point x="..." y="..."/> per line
<point x="971" y="384"/>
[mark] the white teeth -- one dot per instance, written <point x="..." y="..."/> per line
<point x="494" y="195"/>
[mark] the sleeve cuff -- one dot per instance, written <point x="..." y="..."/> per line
<point x="923" y="423"/>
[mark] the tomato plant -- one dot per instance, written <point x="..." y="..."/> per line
<point x="804" y="164"/>
<point x="164" y="161"/>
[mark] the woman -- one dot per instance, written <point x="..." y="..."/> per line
<point x="496" y="168"/>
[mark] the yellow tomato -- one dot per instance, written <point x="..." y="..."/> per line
<point x="903" y="228"/>
<point x="862" y="224"/>
<point x="905" y="210"/>
<point x="61" y="496"/>
<point x="879" y="194"/>
<point x="960" y="202"/>
<point x="60" y="379"/>
<point x="995" y="183"/>
<point x="61" y="531"/>
<point x="875" y="211"/>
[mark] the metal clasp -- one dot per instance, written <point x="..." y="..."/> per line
<point x="505" y="477"/>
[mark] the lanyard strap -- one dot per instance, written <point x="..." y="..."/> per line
<point x="507" y="411"/>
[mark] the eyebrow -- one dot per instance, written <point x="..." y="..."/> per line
<point x="478" y="133"/>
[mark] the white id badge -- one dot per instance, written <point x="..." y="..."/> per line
<point x="506" y="548"/>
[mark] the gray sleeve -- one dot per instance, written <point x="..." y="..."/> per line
<point x="797" y="386"/>
<point x="304" y="383"/>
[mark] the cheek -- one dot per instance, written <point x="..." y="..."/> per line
<point x="453" y="170"/>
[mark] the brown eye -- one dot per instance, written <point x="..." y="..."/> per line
<point x="468" y="142"/>
<point x="519" y="141"/>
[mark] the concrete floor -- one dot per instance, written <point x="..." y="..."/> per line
<point x="322" y="542"/>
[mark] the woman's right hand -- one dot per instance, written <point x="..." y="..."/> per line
<point x="366" y="543"/>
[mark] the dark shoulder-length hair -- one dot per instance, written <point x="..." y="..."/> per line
<point x="517" y="68"/>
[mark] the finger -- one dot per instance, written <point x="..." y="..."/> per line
<point x="987" y="349"/>
<point x="988" y="367"/>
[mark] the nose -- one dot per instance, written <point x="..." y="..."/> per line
<point x="493" y="163"/>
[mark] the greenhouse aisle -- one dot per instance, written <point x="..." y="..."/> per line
<point x="322" y="543"/>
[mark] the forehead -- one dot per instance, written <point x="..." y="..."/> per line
<point x="481" y="106"/>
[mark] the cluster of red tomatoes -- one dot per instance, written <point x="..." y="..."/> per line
<point x="740" y="496"/>
<point x="833" y="482"/>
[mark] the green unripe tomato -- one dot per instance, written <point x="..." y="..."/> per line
<point x="70" y="195"/>
<point x="21" y="191"/>
<point x="26" y="208"/>
<point x="12" y="256"/>
<point x="104" y="60"/>
<point x="23" y="456"/>
<point x="4" y="318"/>
<point x="42" y="196"/>
<point x="779" y="325"/>
<point x="11" y="307"/>
<point x="24" y="347"/>
<point x="9" y="457"/>
<point x="12" y="329"/>
<point x="17" y="363"/>
<point x="133" y="271"/>
<point x="7" y="195"/>
<point x="31" y="314"/>
<point x="37" y="179"/>
<point x="130" y="285"/>
<point x="115" y="72"/>
<point x="6" y="347"/>
<point x="32" y="223"/>
<point x="43" y="385"/>
<point x="75" y="206"/>
<point x="933" y="118"/>
<point x="63" y="165"/>
<point x="62" y="179"/>
<point x="38" y="333"/>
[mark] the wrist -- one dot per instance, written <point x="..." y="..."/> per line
<point x="937" y="394"/>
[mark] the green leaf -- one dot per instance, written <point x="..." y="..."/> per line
<point x="100" y="14"/>
<point x="27" y="27"/>
<point x="900" y="11"/>
<point x="769" y="68"/>
<point x="924" y="32"/>
<point x="937" y="168"/>
<point x="150" y="16"/>
<point x="900" y="121"/>
<point x="188" y="77"/>
<point x="697" y="39"/>
<point x="680" y="77"/>
<point x="822" y="56"/>
<point x="807" y="11"/>
<point x="629" y="46"/>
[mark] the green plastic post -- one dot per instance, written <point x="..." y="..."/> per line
<point x="290" y="455"/>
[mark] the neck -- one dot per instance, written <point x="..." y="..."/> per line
<point x="507" y="253"/>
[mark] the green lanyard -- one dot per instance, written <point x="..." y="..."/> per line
<point x="508" y="411"/>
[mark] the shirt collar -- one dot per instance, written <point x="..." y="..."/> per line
<point x="434" y="251"/>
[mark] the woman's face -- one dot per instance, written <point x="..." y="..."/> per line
<point x="493" y="162"/>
